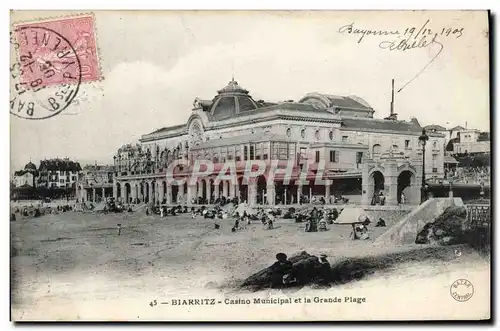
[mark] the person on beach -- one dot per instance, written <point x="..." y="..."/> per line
<point x="281" y="271"/>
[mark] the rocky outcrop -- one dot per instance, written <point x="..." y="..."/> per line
<point x="309" y="270"/>
<point x="451" y="227"/>
<point x="406" y="230"/>
<point x="306" y="269"/>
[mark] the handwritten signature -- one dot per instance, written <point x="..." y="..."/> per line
<point x="407" y="39"/>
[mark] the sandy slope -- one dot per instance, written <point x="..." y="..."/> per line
<point x="75" y="266"/>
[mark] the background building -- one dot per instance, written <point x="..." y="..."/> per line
<point x="95" y="183"/>
<point x="58" y="173"/>
<point x="27" y="176"/>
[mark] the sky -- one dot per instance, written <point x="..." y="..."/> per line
<point x="154" y="64"/>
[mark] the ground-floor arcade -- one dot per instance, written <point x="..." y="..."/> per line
<point x="96" y="194"/>
<point x="397" y="180"/>
<point x="256" y="191"/>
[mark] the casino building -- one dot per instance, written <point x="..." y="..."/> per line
<point x="360" y="154"/>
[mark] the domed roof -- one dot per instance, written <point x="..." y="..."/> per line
<point x="232" y="99"/>
<point x="232" y="87"/>
<point x="30" y="166"/>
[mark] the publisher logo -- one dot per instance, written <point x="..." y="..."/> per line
<point x="461" y="290"/>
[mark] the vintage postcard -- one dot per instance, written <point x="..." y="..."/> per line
<point x="250" y="165"/>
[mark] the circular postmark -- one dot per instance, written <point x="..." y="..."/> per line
<point x="45" y="75"/>
<point x="461" y="290"/>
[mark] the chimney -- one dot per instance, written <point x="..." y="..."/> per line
<point x="392" y="115"/>
<point x="392" y="99"/>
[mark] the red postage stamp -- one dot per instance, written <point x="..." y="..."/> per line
<point x="66" y="47"/>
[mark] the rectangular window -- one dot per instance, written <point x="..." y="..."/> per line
<point x="316" y="158"/>
<point x="238" y="153"/>
<point x="282" y="151"/>
<point x="359" y="157"/>
<point x="252" y="152"/>
<point x="245" y="153"/>
<point x="291" y="151"/>
<point x="265" y="152"/>
<point x="303" y="153"/>
<point x="61" y="181"/>
<point x="434" y="163"/>
<point x="344" y="139"/>
<point x="407" y="144"/>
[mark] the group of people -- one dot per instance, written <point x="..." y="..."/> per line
<point x="378" y="198"/>
<point x="316" y="219"/>
<point x="216" y="212"/>
<point x="267" y="220"/>
<point x="285" y="274"/>
<point x="360" y="230"/>
<point x="221" y="201"/>
<point x="469" y="175"/>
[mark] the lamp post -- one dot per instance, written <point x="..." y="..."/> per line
<point x="423" y="140"/>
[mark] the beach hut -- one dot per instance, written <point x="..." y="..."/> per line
<point x="351" y="215"/>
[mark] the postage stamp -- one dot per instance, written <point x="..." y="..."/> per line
<point x="43" y="38"/>
<point x="51" y="58"/>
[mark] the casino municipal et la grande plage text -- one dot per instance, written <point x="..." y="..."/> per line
<point x="268" y="301"/>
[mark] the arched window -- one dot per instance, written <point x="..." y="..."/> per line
<point x="376" y="150"/>
<point x="330" y="135"/>
<point x="303" y="133"/>
<point x="288" y="132"/>
<point x="317" y="134"/>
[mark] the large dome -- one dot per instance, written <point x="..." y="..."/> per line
<point x="231" y="99"/>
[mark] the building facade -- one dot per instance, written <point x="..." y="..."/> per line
<point x="58" y="173"/>
<point x="95" y="183"/>
<point x="339" y="133"/>
<point x="27" y="176"/>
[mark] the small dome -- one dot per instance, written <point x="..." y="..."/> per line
<point x="233" y="87"/>
<point x="30" y="166"/>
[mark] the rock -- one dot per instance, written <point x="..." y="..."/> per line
<point x="451" y="227"/>
<point x="306" y="269"/>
